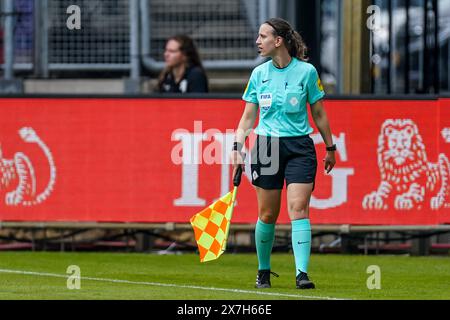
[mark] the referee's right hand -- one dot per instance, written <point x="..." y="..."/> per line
<point x="237" y="160"/>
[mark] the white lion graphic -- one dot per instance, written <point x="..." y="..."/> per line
<point x="18" y="174"/>
<point x="408" y="179"/>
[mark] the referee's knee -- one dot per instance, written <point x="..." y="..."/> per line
<point x="268" y="217"/>
<point x="298" y="211"/>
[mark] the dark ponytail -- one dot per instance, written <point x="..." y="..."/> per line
<point x="292" y="39"/>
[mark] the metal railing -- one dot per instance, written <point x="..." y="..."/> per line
<point x="17" y="45"/>
<point x="102" y="43"/>
<point x="8" y="39"/>
<point x="224" y="30"/>
<point x="120" y="35"/>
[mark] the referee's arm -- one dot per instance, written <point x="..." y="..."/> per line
<point x="321" y="120"/>
<point x="245" y="125"/>
<point x="247" y="122"/>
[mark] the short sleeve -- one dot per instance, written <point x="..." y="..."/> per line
<point x="250" y="91"/>
<point x="315" y="87"/>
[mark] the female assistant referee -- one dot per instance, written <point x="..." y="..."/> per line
<point x="280" y="89"/>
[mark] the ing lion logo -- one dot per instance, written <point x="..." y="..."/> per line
<point x="17" y="175"/>
<point x="408" y="179"/>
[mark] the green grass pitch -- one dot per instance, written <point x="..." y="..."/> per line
<point x="129" y="276"/>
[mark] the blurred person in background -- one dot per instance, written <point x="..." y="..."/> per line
<point x="184" y="72"/>
<point x="280" y="90"/>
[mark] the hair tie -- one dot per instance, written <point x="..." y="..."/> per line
<point x="290" y="36"/>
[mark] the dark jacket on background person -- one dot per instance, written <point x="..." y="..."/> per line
<point x="193" y="80"/>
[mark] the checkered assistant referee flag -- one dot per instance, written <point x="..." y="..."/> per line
<point x="211" y="225"/>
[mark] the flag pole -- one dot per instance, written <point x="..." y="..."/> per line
<point x="236" y="183"/>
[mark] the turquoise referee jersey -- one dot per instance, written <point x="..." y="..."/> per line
<point x="281" y="95"/>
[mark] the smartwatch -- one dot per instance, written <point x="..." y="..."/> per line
<point x="332" y="148"/>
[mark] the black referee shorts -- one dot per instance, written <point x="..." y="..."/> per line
<point x="274" y="160"/>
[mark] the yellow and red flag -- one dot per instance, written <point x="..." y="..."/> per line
<point x="211" y="225"/>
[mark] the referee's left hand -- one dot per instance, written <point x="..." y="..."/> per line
<point x="329" y="161"/>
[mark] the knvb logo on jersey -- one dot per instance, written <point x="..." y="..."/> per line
<point x="189" y="153"/>
<point x="408" y="179"/>
<point x="293" y="101"/>
<point x="18" y="175"/>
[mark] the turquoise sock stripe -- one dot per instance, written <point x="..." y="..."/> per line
<point x="301" y="244"/>
<point x="264" y="238"/>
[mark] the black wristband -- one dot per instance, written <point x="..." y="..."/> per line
<point x="237" y="146"/>
<point x="332" y="148"/>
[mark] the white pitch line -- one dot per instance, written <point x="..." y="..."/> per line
<point x="156" y="284"/>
